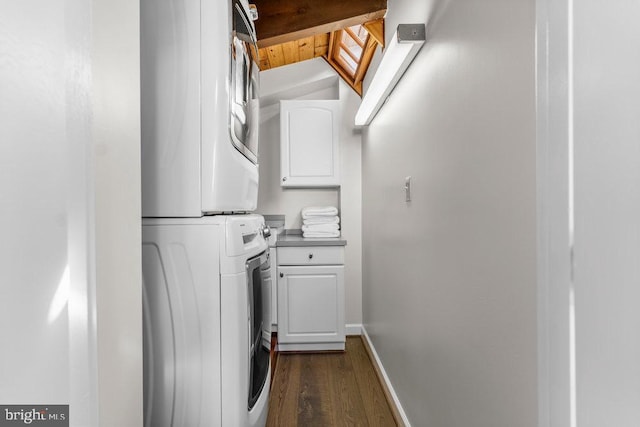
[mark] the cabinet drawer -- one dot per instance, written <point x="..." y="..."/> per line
<point x="311" y="255"/>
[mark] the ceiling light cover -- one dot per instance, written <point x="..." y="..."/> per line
<point x="404" y="46"/>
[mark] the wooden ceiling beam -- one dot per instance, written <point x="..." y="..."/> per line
<point x="282" y="21"/>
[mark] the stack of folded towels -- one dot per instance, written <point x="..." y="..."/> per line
<point x="320" y="222"/>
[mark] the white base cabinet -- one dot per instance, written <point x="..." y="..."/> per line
<point x="310" y="303"/>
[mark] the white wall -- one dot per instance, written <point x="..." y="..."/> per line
<point x="351" y="203"/>
<point x="607" y="212"/>
<point x="70" y="311"/>
<point x="597" y="69"/>
<point x="449" y="279"/>
<point x="311" y="79"/>
<point x="314" y="79"/>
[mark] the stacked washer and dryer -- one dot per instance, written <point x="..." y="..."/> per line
<point x="206" y="278"/>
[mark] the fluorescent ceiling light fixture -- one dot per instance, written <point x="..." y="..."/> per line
<point x="404" y="46"/>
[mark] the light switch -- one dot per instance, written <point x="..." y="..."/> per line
<point x="407" y="189"/>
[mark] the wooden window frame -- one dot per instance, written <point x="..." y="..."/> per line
<point x="336" y="45"/>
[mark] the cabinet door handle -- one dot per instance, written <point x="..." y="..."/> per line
<point x="281" y="274"/>
<point x="310" y="256"/>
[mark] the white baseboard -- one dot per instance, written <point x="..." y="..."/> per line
<point x="349" y="329"/>
<point x="353" y="329"/>
<point x="394" y="396"/>
<point x="323" y="346"/>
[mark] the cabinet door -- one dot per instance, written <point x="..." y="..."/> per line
<point x="311" y="306"/>
<point x="309" y="152"/>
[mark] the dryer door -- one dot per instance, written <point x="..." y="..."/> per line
<point x="244" y="84"/>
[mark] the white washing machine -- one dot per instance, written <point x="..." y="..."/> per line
<point x="206" y="295"/>
<point x="200" y="107"/>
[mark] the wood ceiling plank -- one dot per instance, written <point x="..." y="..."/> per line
<point x="321" y="45"/>
<point x="287" y="20"/>
<point x="321" y="40"/>
<point x="291" y="52"/>
<point x="306" y="48"/>
<point x="264" y="59"/>
<point x="276" y="56"/>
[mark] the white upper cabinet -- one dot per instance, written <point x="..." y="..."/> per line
<point x="309" y="149"/>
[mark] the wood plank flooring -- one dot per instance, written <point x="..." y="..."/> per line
<point x="328" y="389"/>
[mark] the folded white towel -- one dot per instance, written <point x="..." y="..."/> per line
<point x="320" y="227"/>
<point x="321" y="220"/>
<point x="319" y="211"/>
<point x="319" y="234"/>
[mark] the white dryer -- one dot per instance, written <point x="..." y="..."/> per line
<point x="200" y="82"/>
<point x="206" y="295"/>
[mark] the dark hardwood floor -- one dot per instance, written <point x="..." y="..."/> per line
<point x="328" y="389"/>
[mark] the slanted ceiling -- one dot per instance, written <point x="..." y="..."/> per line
<point x="290" y="31"/>
<point x="294" y="51"/>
